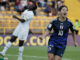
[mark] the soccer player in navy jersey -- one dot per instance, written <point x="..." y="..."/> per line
<point x="58" y="39"/>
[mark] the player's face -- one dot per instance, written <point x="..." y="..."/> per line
<point x="64" y="11"/>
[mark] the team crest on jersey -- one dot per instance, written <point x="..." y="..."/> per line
<point x="61" y="26"/>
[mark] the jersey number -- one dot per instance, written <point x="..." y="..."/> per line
<point x="60" y="33"/>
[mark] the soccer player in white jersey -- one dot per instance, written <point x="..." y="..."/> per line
<point x="21" y="32"/>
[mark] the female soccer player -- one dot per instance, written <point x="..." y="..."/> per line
<point x="58" y="39"/>
<point x="21" y="32"/>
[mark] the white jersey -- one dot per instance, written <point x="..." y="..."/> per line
<point x="23" y="28"/>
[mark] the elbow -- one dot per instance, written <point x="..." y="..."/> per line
<point x="22" y="21"/>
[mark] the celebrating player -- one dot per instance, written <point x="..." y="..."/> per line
<point x="58" y="39"/>
<point x="21" y="32"/>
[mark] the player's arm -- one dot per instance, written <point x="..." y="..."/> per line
<point x="47" y="32"/>
<point x="21" y="20"/>
<point x="73" y="34"/>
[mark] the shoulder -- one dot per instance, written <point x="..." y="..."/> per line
<point x="31" y="13"/>
<point x="54" y="20"/>
<point x="28" y="13"/>
<point x="69" y="21"/>
<point x="25" y="11"/>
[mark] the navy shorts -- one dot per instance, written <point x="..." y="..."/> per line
<point x="55" y="50"/>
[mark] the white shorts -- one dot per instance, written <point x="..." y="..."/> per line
<point x="21" y="32"/>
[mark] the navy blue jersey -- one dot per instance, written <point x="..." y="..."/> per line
<point x="60" y="34"/>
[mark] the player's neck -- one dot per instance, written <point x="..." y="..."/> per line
<point x="62" y="19"/>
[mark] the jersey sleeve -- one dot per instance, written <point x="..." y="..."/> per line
<point x="72" y="27"/>
<point x="26" y="16"/>
<point x="50" y="26"/>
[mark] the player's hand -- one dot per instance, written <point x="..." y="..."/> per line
<point x="14" y="16"/>
<point x="75" y="44"/>
<point x="41" y="37"/>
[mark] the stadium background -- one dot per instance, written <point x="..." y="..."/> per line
<point x="37" y="49"/>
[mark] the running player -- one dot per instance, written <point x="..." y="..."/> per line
<point x="58" y="39"/>
<point x="21" y="32"/>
